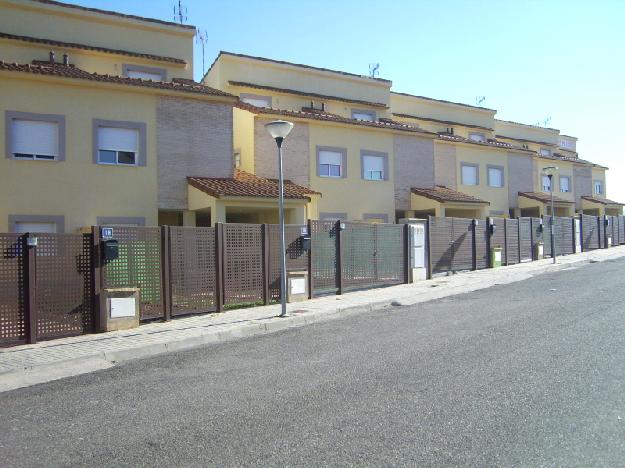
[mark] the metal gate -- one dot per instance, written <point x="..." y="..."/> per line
<point x="525" y="239"/>
<point x="512" y="241"/>
<point x="296" y="256"/>
<point x="590" y="232"/>
<point x="498" y="239"/>
<point x="12" y="291"/>
<point x="324" y="257"/>
<point x="564" y="236"/>
<point x="242" y="264"/>
<point x="451" y="244"/>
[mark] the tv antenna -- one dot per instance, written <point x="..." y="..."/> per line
<point x="479" y="100"/>
<point x="202" y="38"/>
<point x="374" y="70"/>
<point x="543" y="123"/>
<point x="180" y="13"/>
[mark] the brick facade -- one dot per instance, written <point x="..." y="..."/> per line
<point x="414" y="167"/>
<point x="295" y="153"/>
<point x="521" y="176"/>
<point x="445" y="165"/>
<point x="194" y="138"/>
<point x="582" y="184"/>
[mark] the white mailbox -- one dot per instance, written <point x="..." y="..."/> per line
<point x="417" y="248"/>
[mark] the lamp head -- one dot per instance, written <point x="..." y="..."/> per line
<point x="550" y="170"/>
<point x="279" y="129"/>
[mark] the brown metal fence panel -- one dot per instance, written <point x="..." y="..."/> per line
<point x="192" y="270"/>
<point x="482" y="254"/>
<point x="64" y="302"/>
<point x="243" y="263"/>
<point x="441" y="244"/>
<point x="296" y="256"/>
<point x="373" y="255"/>
<point x="564" y="236"/>
<point x="614" y="229"/>
<point x="324" y="260"/>
<point x="498" y="239"/>
<point x="621" y="229"/>
<point x="590" y="233"/>
<point x="537" y="235"/>
<point x="12" y="283"/>
<point x="138" y="266"/>
<point x="525" y="239"/>
<point x="462" y="238"/>
<point x="512" y="241"/>
<point x="602" y="233"/>
<point x="547" y="235"/>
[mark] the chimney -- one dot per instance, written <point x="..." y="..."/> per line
<point x="65" y="60"/>
<point x="51" y="56"/>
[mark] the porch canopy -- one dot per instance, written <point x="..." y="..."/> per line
<point x="443" y="201"/>
<point x="601" y="206"/>
<point x="246" y="198"/>
<point x="539" y="203"/>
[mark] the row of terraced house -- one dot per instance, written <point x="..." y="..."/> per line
<point x="104" y="124"/>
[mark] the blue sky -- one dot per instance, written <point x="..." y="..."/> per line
<point x="563" y="59"/>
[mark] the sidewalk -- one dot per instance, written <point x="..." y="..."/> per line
<point x="26" y="365"/>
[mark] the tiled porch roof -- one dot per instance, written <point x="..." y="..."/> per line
<point x="244" y="184"/>
<point x="444" y="194"/>
<point x="602" y="201"/>
<point x="543" y="197"/>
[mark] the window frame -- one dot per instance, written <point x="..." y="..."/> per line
<point x="376" y="154"/>
<point x="10" y="116"/>
<point x="477" y="173"/>
<point x="503" y="175"/>
<point x="594" y="186"/>
<point x="236" y="152"/>
<point x="373" y="114"/>
<point x="334" y="149"/>
<point x="243" y="96"/>
<point x="547" y="150"/>
<point x="542" y="183"/>
<point x="141" y="155"/>
<point x="482" y="135"/>
<point x="568" y="178"/>
<point x="59" y="221"/>
<point x="129" y="67"/>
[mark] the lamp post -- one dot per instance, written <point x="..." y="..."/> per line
<point x="549" y="171"/>
<point x="279" y="129"/>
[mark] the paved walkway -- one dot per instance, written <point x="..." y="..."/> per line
<point x="30" y="364"/>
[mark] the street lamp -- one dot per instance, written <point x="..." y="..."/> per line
<point x="549" y="171"/>
<point x="279" y="129"/>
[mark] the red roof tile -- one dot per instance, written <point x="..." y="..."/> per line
<point x="543" y="197"/>
<point x="70" y="71"/>
<point x="445" y="122"/>
<point x="74" y="45"/>
<point x="488" y="142"/>
<point x="244" y="184"/>
<point x="602" y="201"/>
<point x="444" y="194"/>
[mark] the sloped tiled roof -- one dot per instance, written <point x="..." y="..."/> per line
<point x="444" y="122"/>
<point x="602" y="201"/>
<point x="306" y="94"/>
<point x="444" y="194"/>
<point x="74" y="45"/>
<point x="71" y="72"/>
<point x="244" y="184"/>
<point x="114" y="13"/>
<point x="543" y="197"/>
<point x="489" y="142"/>
<point x="326" y="116"/>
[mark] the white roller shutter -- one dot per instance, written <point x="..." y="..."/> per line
<point x="330" y="157"/>
<point x="118" y="139"/>
<point x="35" y="137"/>
<point x="35" y="227"/>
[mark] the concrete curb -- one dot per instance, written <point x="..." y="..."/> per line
<point x="34" y="374"/>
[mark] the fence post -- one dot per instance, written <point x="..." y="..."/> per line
<point x="96" y="278"/>
<point x="581" y="232"/>
<point x="474" y="225"/>
<point x="488" y="243"/>
<point x="598" y="232"/>
<point x="311" y="279"/>
<point x="219" y="267"/>
<point x="505" y="238"/>
<point x="532" y="238"/>
<point x="407" y="253"/>
<point x="265" y="236"/>
<point x="166" y="271"/>
<point x="30" y="289"/>
<point x="339" y="259"/>
<point x="518" y="237"/>
<point x="428" y="274"/>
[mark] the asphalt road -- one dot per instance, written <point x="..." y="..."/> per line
<point x="531" y="373"/>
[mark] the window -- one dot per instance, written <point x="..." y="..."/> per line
<point x="35" y="136"/>
<point x="480" y="137"/>
<point x="598" y="187"/>
<point x="36" y="223"/>
<point x="236" y="159"/>
<point x="363" y="115"/>
<point x="331" y="162"/>
<point x="495" y="176"/>
<point x="567" y="144"/>
<point x="374" y="166"/>
<point x="565" y="184"/>
<point x="546" y="184"/>
<point x="545" y="152"/>
<point x="144" y="73"/>
<point x="118" y="146"/>
<point x="470" y="174"/>
<point x="256" y="100"/>
<point x="119" y="143"/>
<point x="525" y="146"/>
